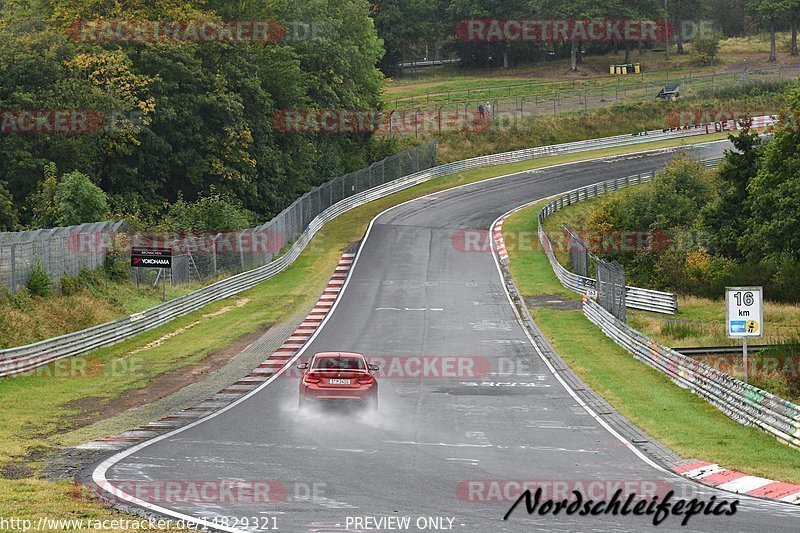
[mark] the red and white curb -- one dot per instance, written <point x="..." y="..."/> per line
<point x="500" y="244"/>
<point x="231" y="393"/>
<point x="716" y="476"/>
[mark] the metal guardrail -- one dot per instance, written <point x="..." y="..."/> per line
<point x="740" y="401"/>
<point x="635" y="297"/>
<point x="28" y="357"/>
<point x="699" y="351"/>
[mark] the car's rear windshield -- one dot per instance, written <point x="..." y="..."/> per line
<point x="338" y="363"/>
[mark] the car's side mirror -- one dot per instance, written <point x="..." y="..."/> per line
<point x="302" y="366"/>
<point x="374" y="367"/>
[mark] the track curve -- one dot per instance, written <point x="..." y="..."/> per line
<point x="412" y="292"/>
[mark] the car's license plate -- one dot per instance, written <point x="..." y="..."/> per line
<point x="339" y="382"/>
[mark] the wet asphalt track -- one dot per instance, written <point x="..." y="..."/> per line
<point x="413" y="292"/>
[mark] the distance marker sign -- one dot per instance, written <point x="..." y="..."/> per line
<point x="151" y="257"/>
<point x="743" y="312"/>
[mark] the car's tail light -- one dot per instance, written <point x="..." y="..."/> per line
<point x="310" y="379"/>
<point x="366" y="380"/>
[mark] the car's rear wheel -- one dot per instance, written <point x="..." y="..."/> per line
<point x="372" y="404"/>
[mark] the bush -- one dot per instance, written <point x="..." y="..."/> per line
<point x="39" y="282"/>
<point x="706" y="45"/>
<point x="86" y="279"/>
<point x="214" y="213"/>
<point x="70" y="285"/>
<point x="117" y="267"/>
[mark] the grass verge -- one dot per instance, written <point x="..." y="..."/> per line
<point x="683" y="421"/>
<point x="30" y="429"/>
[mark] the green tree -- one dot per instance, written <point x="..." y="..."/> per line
<point x="706" y="44"/>
<point x="770" y="13"/>
<point x="774" y="193"/>
<point x="80" y="200"/>
<point x="727" y="216"/>
<point x="9" y="216"/>
<point x="685" y="12"/>
<point x="405" y="26"/>
<point x="45" y="208"/>
<point x="211" y="214"/>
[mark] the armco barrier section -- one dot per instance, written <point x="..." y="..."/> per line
<point x="740" y="401"/>
<point x="24" y="358"/>
<point x="635" y="297"/>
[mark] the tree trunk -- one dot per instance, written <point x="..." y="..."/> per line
<point x="679" y="36"/>
<point x="627" y="52"/>
<point x="580" y="53"/>
<point x="794" y="34"/>
<point x="505" y="57"/>
<point x="773" y="52"/>
<point x="573" y="56"/>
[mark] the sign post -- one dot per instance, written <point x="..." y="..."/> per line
<point x="153" y="258"/>
<point x="744" y="316"/>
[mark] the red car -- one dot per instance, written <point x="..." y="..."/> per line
<point x="338" y="376"/>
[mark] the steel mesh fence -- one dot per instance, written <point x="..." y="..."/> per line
<point x="60" y="251"/>
<point x="611" y="288"/>
<point x="196" y="257"/>
<point x="578" y="254"/>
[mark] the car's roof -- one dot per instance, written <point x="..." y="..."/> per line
<point x="338" y="354"/>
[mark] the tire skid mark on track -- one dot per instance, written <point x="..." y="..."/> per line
<point x="246" y="384"/>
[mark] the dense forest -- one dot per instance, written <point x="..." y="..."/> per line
<point x="413" y="29"/>
<point x="179" y="120"/>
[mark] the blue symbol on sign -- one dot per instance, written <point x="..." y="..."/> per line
<point x="738" y="326"/>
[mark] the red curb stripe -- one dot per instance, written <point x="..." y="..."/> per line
<point x="775" y="490"/>
<point x="691" y="466"/>
<point x="260" y="374"/>
<point x="721" y="477"/>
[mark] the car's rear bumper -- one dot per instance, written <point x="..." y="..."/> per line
<point x="362" y="395"/>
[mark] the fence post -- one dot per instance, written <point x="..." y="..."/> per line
<point x="214" y="254"/>
<point x="13" y="268"/>
<point x="241" y="251"/>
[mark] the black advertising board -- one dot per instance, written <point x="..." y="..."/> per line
<point x="151" y="257"/>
